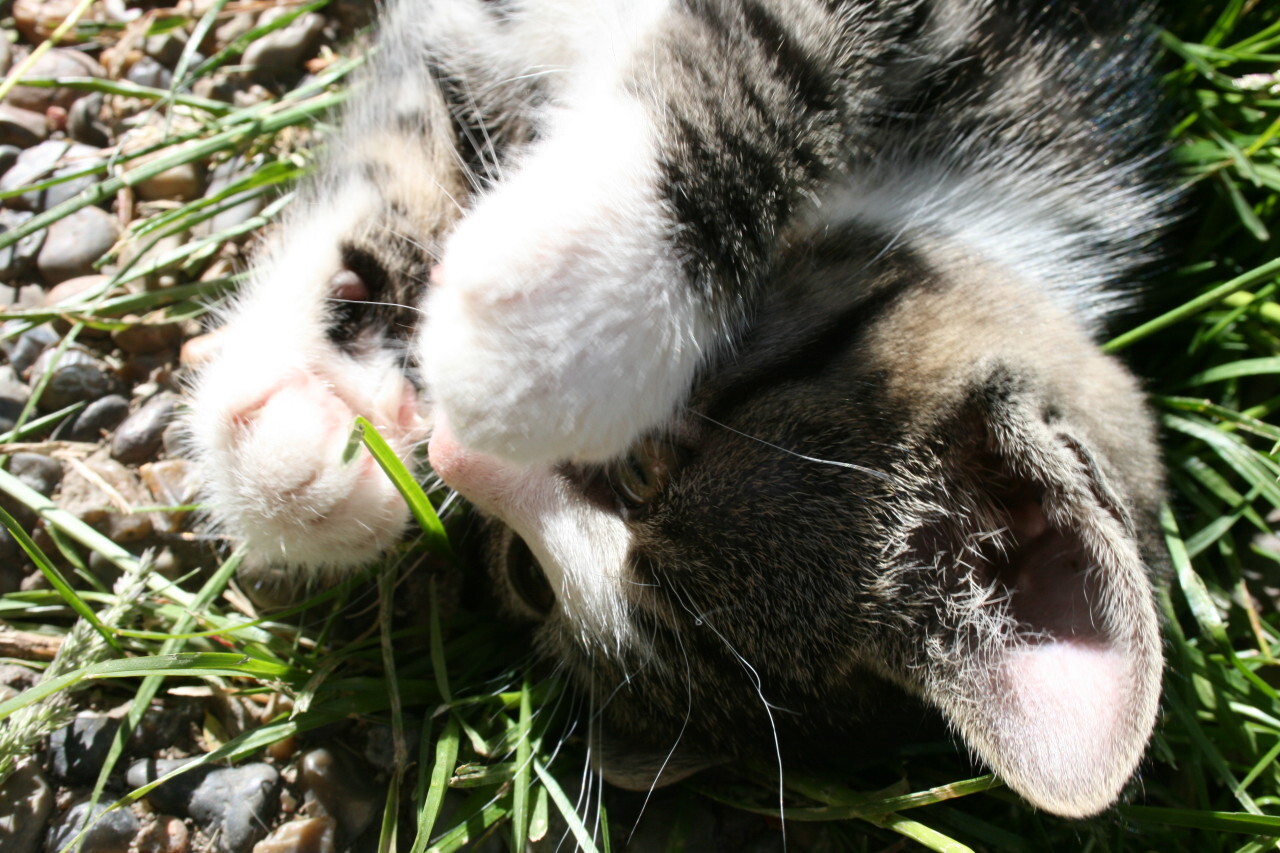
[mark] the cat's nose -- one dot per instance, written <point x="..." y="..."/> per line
<point x="479" y="478"/>
<point x="514" y="493"/>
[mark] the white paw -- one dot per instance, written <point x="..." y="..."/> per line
<point x="271" y="414"/>
<point x="560" y="325"/>
<point x="269" y="440"/>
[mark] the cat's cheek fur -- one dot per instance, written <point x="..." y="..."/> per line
<point x="561" y="325"/>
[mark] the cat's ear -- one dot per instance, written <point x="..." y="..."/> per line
<point x="1053" y="675"/>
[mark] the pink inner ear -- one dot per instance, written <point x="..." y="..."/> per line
<point x="1057" y="719"/>
<point x="1060" y="728"/>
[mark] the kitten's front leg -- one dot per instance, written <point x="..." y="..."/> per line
<point x="577" y="301"/>
<point x="562" y="325"/>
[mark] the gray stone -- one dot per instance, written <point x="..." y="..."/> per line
<point x="167" y="47"/>
<point x="284" y="49"/>
<point x="21" y="128"/>
<point x="336" y="785"/>
<point x="75" y="242"/>
<point x="100" y="416"/>
<point x="236" y="802"/>
<point x="8" y="154"/>
<point x="76" y="751"/>
<point x="59" y="62"/>
<point x="76" y="377"/>
<point x="110" y="832"/>
<point x="30" y="345"/>
<point x="220" y="177"/>
<point x="50" y="159"/>
<point x="37" y="471"/>
<point x="141" y="435"/>
<point x="148" y="71"/>
<point x="13" y="397"/>
<point x="17" y="677"/>
<point x="84" y="121"/>
<point x="26" y="798"/>
<point x="18" y="259"/>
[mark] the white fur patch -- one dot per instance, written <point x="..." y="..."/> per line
<point x="270" y="415"/>
<point x="582" y="549"/>
<point x="561" y="326"/>
<point x="1025" y="222"/>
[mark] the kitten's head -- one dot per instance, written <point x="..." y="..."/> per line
<point x="912" y="476"/>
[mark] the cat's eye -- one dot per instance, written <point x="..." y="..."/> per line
<point x="644" y="472"/>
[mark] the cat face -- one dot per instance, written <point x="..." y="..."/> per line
<point x="874" y="460"/>
<point x="900" y="479"/>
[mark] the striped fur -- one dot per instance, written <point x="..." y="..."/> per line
<point x="762" y="333"/>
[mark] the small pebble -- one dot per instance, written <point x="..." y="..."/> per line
<point x="6" y="55"/>
<point x="141" y="435"/>
<point x="167" y="835"/>
<point x="237" y="802"/>
<point x="306" y="835"/>
<point x="83" y="497"/>
<point x="30" y="345"/>
<point x="200" y="349"/>
<point x="37" y="471"/>
<point x="85" y="123"/>
<point x="173" y="724"/>
<point x="100" y="416"/>
<point x="8" y="154"/>
<point x="26" y="798"/>
<point x="182" y="183"/>
<point x="37" y="19"/>
<point x="13" y="397"/>
<point x="51" y="158"/>
<point x="171" y="484"/>
<point x="147" y="337"/>
<point x="22" y="128"/>
<point x="76" y="377"/>
<point x="148" y="71"/>
<point x="220" y="177"/>
<point x="70" y="291"/>
<point x="110" y="832"/>
<point x="17" y="677"/>
<point x="17" y="259"/>
<point x="59" y="62"/>
<point x="167" y="47"/>
<point x="76" y="751"/>
<point x="239" y="24"/>
<point x="75" y="242"/>
<point x="333" y="782"/>
<point x="284" y="49"/>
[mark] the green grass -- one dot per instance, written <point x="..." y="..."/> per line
<point x="1210" y="351"/>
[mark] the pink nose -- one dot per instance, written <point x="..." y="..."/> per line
<point x="481" y="479"/>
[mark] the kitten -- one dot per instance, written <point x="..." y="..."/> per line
<point x="762" y="333"/>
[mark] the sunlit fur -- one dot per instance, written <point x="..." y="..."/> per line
<point x="846" y="262"/>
